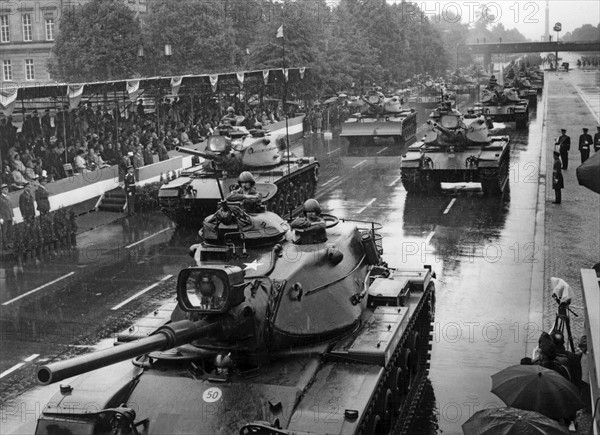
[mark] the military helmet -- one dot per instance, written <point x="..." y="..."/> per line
<point x="246" y="177"/>
<point x="230" y="109"/>
<point x="312" y="205"/>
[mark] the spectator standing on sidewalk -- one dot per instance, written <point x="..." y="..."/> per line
<point x="585" y="142"/>
<point x="557" y="178"/>
<point x="597" y="140"/>
<point x="564" y="145"/>
<point x="6" y="218"/>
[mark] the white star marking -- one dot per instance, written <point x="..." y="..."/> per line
<point x="254" y="265"/>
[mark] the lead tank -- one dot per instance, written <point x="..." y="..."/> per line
<point x="380" y="117"/>
<point x="457" y="148"/>
<point x="195" y="194"/>
<point x="275" y="331"/>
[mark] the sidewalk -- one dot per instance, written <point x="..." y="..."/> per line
<point x="572" y="229"/>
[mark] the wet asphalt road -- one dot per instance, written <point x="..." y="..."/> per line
<point x="481" y="249"/>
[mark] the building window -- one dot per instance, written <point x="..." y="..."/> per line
<point x="49" y="29"/>
<point x="7" y="70"/>
<point x="29" y="69"/>
<point x="4" y="29"/>
<point x="27" y="28"/>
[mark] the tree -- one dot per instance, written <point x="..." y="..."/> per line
<point x="96" y="41"/>
<point x="200" y="33"/>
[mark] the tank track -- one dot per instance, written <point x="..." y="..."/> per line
<point x="411" y="179"/>
<point x="495" y="180"/>
<point x="399" y="419"/>
<point x="304" y="186"/>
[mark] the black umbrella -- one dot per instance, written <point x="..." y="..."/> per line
<point x="588" y="174"/>
<point x="535" y="388"/>
<point x="511" y="421"/>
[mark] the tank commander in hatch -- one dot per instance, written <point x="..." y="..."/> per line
<point x="312" y="216"/>
<point x="246" y="193"/>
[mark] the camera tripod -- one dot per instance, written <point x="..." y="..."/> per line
<point x="562" y="320"/>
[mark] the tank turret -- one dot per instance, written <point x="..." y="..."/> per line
<point x="265" y="321"/>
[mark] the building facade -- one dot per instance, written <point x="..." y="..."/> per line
<point x="28" y="30"/>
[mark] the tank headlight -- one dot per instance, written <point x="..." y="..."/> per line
<point x="210" y="290"/>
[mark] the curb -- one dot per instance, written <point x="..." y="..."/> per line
<point x="536" y="288"/>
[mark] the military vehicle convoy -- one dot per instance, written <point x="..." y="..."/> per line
<point x="380" y="117"/>
<point x="457" y="148"/>
<point x="195" y="194"/>
<point x="502" y="104"/>
<point x="275" y="331"/>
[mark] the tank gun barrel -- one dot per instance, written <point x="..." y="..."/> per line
<point x="202" y="154"/>
<point x="167" y="337"/>
<point x="445" y="131"/>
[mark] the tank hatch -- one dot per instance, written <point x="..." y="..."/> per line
<point x="233" y="224"/>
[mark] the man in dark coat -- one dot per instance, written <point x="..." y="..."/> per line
<point x="41" y="197"/>
<point x="6" y="217"/>
<point x="585" y="143"/>
<point x="27" y="205"/>
<point x="557" y="178"/>
<point x="597" y="140"/>
<point x="564" y="145"/>
<point x="130" y="188"/>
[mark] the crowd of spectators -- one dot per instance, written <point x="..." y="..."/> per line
<point x="91" y="137"/>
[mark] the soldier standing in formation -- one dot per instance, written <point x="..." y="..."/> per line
<point x="585" y="142"/>
<point x="42" y="197"/>
<point x="564" y="145"/>
<point x="597" y="140"/>
<point x="6" y="217"/>
<point x="27" y="205"/>
<point x="130" y="190"/>
<point x="557" y="178"/>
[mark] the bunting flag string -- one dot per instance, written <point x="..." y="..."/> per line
<point x="301" y="70"/>
<point x="8" y="97"/>
<point x="175" y="84"/>
<point x="74" y="92"/>
<point x="240" y="78"/>
<point x="133" y="89"/>
<point x="266" y="76"/>
<point x="214" y="79"/>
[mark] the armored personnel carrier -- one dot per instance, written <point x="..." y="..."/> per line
<point x="275" y="331"/>
<point x="503" y="105"/>
<point x="457" y="149"/>
<point x="195" y="194"/>
<point x="380" y="117"/>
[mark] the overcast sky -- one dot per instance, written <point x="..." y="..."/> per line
<point x="526" y="16"/>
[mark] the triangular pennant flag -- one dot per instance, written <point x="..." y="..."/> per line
<point x="240" y="78"/>
<point x="280" y="32"/>
<point x="74" y="92"/>
<point x="266" y="76"/>
<point x="8" y="98"/>
<point x="175" y="84"/>
<point x="302" y="72"/>
<point x="214" y="79"/>
<point x="285" y="73"/>
<point x="133" y="89"/>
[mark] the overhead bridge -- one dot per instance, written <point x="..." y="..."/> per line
<point x="526" y="47"/>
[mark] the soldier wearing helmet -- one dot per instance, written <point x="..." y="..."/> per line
<point x="246" y="191"/>
<point x="230" y="117"/>
<point x="312" y="215"/>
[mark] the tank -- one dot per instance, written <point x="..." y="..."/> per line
<point x="457" y="148"/>
<point x="195" y="194"/>
<point x="503" y="104"/>
<point x="380" y="117"/>
<point x="275" y="331"/>
<point x="523" y="86"/>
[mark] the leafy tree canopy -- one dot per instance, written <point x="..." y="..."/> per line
<point x="96" y="41"/>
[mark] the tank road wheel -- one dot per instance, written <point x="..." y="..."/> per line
<point x="406" y="365"/>
<point x="302" y="192"/>
<point x="388" y="412"/>
<point x="280" y="208"/>
<point x="399" y="388"/>
<point x="377" y="426"/>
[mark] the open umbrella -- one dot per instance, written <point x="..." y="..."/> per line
<point x="588" y="174"/>
<point x="535" y="388"/>
<point x="511" y="421"/>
